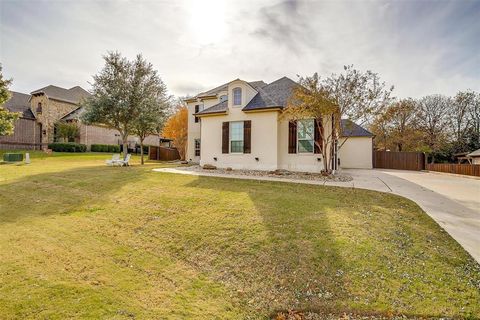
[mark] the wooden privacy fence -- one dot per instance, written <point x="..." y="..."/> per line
<point x="465" y="169"/>
<point x="399" y="160"/>
<point x="163" y="153"/>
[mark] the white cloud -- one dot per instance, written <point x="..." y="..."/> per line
<point x="198" y="44"/>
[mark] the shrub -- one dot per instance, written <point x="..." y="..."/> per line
<point x="67" y="147"/>
<point x="113" y="148"/>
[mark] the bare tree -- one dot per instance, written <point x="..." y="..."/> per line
<point x="432" y="120"/>
<point x="459" y="119"/>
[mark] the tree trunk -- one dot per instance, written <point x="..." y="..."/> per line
<point x="141" y="152"/>
<point x="125" y="145"/>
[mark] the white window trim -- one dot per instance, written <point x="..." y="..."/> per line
<point x="313" y="139"/>
<point x="233" y="96"/>
<point x="230" y="136"/>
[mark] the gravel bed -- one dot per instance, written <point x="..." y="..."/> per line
<point x="339" y="177"/>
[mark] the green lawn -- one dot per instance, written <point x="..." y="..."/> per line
<point x="82" y="240"/>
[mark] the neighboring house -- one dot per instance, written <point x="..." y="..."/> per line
<point x="45" y="107"/>
<point x="474" y="157"/>
<point x="238" y="125"/>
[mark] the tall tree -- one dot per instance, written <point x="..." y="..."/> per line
<point x="122" y="91"/>
<point x="353" y="94"/>
<point x="395" y="129"/>
<point x="176" y="128"/>
<point x="310" y="100"/>
<point x="7" y="118"/>
<point x="150" y="94"/>
<point x="432" y="120"/>
<point x="460" y="120"/>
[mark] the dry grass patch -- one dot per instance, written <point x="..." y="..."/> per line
<point x="81" y="240"/>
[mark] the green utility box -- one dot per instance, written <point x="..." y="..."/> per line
<point x="12" y="157"/>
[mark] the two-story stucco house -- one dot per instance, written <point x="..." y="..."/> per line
<point x="239" y="125"/>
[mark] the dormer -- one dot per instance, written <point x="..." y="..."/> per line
<point x="239" y="94"/>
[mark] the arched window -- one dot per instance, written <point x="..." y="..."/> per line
<point x="237" y="96"/>
<point x="39" y="107"/>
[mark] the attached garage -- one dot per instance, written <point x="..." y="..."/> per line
<point x="355" y="147"/>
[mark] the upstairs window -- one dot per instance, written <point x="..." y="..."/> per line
<point x="237" y="96"/>
<point x="39" y="107"/>
<point x="236" y="137"/>
<point x="197" y="109"/>
<point x="305" y="136"/>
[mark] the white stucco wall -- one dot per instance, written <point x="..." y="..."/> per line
<point x="263" y="143"/>
<point x="356" y="153"/>
<point x="302" y="162"/>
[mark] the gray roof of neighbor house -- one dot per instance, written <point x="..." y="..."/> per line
<point x="72" y="95"/>
<point x="351" y="129"/>
<point x="74" y="115"/>
<point x="475" y="153"/>
<point x="19" y="103"/>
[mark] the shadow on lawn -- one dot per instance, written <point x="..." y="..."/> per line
<point x="288" y="257"/>
<point x="62" y="192"/>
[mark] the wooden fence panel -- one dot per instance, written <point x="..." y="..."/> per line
<point x="465" y="169"/>
<point x="163" y="153"/>
<point x="399" y="160"/>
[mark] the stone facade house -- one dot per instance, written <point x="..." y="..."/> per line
<point x="238" y="125"/>
<point x="44" y="107"/>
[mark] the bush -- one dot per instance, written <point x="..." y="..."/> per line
<point x="67" y="147"/>
<point x="113" y="148"/>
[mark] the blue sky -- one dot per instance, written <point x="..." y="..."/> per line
<point x="419" y="47"/>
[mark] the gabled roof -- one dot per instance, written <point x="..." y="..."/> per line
<point x="74" y="115"/>
<point x="474" y="154"/>
<point x="224" y="87"/>
<point x="19" y="102"/>
<point x="72" y="95"/>
<point x="351" y="129"/>
<point x="218" y="108"/>
<point x="273" y="95"/>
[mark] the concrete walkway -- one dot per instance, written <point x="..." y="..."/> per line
<point x="452" y="201"/>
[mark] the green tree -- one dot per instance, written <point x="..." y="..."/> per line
<point x="149" y="94"/>
<point x="124" y="93"/>
<point x="67" y="131"/>
<point x="433" y="122"/>
<point x="7" y="118"/>
<point x="353" y="94"/>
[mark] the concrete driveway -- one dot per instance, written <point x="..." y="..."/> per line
<point x="452" y="201"/>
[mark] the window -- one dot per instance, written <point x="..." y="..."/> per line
<point x="237" y="96"/>
<point x="223" y="98"/>
<point x="39" y="107"/>
<point x="305" y="135"/>
<point x="236" y="137"/>
<point x="197" y="147"/>
<point x="197" y="109"/>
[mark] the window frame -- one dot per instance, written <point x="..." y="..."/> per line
<point x="312" y="121"/>
<point x="39" y="108"/>
<point x="234" y="92"/>
<point x="197" y="148"/>
<point x="231" y="123"/>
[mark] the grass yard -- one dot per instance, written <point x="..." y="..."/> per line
<point x="82" y="240"/>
